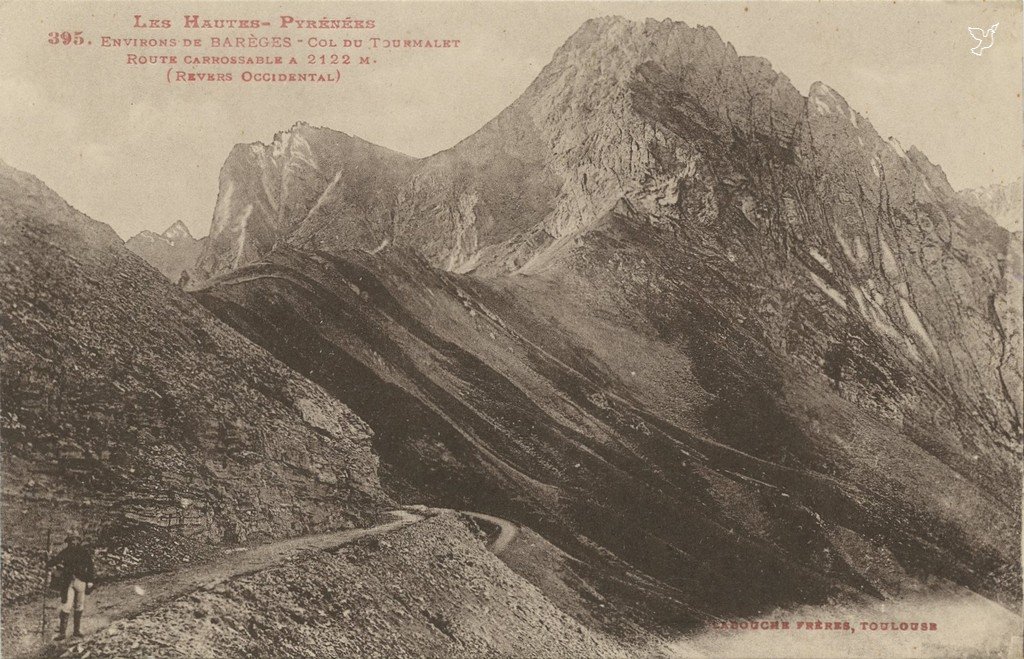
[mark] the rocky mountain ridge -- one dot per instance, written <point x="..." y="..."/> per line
<point x="669" y="122"/>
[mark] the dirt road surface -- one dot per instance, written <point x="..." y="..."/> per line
<point x="507" y="531"/>
<point x="122" y="599"/>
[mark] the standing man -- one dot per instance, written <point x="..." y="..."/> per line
<point x="76" y="579"/>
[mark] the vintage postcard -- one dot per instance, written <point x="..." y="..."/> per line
<point x="511" y="329"/>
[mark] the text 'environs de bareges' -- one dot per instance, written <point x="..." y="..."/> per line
<point x="195" y="21"/>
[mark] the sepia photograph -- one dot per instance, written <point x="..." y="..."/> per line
<point x="519" y="329"/>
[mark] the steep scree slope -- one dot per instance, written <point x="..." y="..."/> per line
<point x="133" y="416"/>
<point x="430" y="589"/>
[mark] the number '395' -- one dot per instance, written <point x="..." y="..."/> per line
<point x="66" y="38"/>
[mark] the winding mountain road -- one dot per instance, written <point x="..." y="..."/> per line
<point x="506" y="531"/>
<point x="129" y="597"/>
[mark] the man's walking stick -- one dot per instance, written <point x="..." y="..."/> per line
<point x="46" y="582"/>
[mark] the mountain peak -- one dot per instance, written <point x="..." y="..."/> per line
<point x="623" y="106"/>
<point x="171" y="252"/>
<point x="826" y="100"/>
<point x="284" y="140"/>
<point x="612" y="40"/>
<point x="177" y="231"/>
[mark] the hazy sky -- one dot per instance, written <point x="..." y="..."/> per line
<point x="127" y="148"/>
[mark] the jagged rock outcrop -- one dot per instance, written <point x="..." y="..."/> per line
<point x="172" y="252"/>
<point x="267" y="190"/>
<point x="1003" y="201"/>
<point x="133" y="416"/>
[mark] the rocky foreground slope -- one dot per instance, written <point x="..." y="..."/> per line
<point x="430" y="589"/>
<point x="132" y="416"/>
<point x="707" y="328"/>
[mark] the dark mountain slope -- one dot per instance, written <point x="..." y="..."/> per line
<point x="134" y="417"/>
<point x="480" y="402"/>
